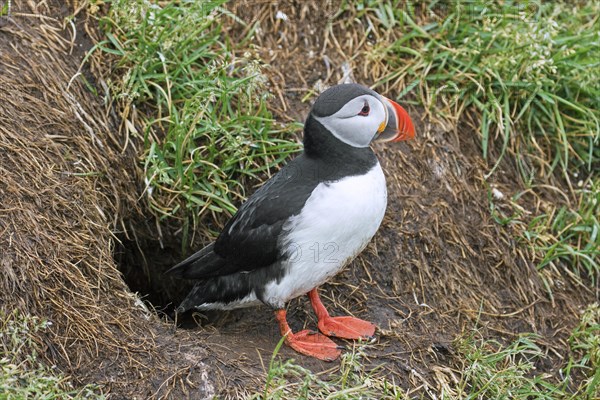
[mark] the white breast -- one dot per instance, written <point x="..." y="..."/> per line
<point x="337" y="222"/>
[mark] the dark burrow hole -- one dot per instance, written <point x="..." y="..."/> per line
<point x="142" y="259"/>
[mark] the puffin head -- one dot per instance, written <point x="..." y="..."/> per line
<point x="357" y="115"/>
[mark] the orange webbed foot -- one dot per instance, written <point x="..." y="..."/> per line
<point x="313" y="344"/>
<point x="347" y="327"/>
<point x="341" y="327"/>
<point x="307" y="342"/>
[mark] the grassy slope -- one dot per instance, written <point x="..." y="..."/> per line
<point x="22" y="373"/>
<point x="528" y="72"/>
<point x="490" y="370"/>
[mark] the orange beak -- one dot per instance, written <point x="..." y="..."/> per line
<point x="399" y="125"/>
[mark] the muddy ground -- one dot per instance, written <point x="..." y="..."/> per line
<point x="439" y="266"/>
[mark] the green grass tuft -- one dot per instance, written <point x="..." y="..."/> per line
<point x="489" y="370"/>
<point x="495" y="371"/>
<point x="22" y="374"/>
<point x="530" y="69"/>
<point x="529" y="73"/>
<point x="571" y="236"/>
<point x="288" y="380"/>
<point x="201" y="111"/>
<point x="585" y="340"/>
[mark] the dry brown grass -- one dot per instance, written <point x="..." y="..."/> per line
<point x="66" y="184"/>
<point x="69" y="185"/>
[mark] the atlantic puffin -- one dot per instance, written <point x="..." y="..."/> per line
<point x="307" y="222"/>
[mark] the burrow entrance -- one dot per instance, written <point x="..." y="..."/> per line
<point x="143" y="258"/>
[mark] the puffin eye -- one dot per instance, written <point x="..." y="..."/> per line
<point x="365" y="110"/>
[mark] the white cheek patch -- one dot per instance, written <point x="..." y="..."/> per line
<point x="353" y="129"/>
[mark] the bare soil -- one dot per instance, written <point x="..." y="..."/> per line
<point x="438" y="267"/>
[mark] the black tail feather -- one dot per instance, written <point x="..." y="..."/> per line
<point x="203" y="264"/>
<point x="221" y="289"/>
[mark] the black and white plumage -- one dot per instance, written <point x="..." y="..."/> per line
<point x="309" y="220"/>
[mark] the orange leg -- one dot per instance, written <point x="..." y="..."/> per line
<point x="342" y="327"/>
<point x="308" y="342"/>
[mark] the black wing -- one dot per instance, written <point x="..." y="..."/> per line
<point x="250" y="239"/>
